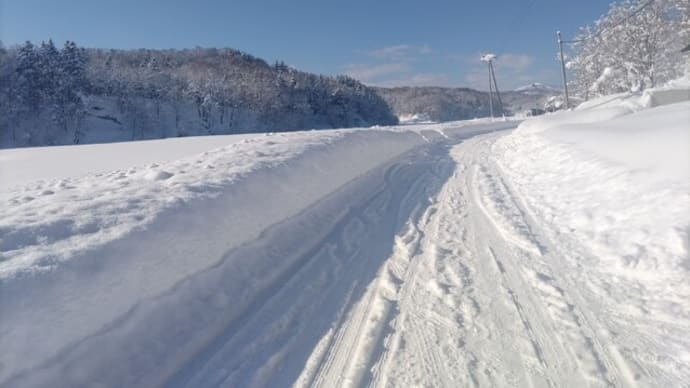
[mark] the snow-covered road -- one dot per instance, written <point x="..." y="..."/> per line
<point x="487" y="302"/>
<point x="438" y="255"/>
<point x="436" y="274"/>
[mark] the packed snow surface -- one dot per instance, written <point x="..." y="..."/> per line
<point x="457" y="254"/>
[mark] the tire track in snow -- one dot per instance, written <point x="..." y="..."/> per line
<point x="406" y="248"/>
<point x="378" y="205"/>
<point x="431" y="308"/>
<point x="445" y="324"/>
<point x="559" y="288"/>
<point x="577" y="337"/>
<point x="359" y="360"/>
<point x="468" y="295"/>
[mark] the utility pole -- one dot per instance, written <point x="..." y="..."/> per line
<point x="565" y="81"/>
<point x="491" y="94"/>
<point x="498" y="94"/>
<point x="489" y="58"/>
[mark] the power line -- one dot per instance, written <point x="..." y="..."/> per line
<point x="645" y="5"/>
<point x="516" y="25"/>
<point x="560" y="45"/>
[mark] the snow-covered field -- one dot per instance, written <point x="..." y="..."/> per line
<point x="457" y="254"/>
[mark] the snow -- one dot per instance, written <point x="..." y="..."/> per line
<point x="609" y="154"/>
<point x="455" y="254"/>
<point x="101" y="260"/>
<point x="114" y="233"/>
<point x="611" y="182"/>
<point x="415" y="118"/>
<point x="654" y="140"/>
<point x="20" y="166"/>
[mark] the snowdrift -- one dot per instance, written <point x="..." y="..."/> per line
<point x="615" y="173"/>
<point x="100" y="248"/>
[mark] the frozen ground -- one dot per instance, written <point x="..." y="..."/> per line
<point x="460" y="254"/>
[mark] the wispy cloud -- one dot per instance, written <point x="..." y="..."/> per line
<point x="415" y="65"/>
<point x="399" y="52"/>
<point x="419" y="79"/>
<point x="367" y="73"/>
<point x="515" y="62"/>
<point x="512" y="70"/>
<point x="394" y="66"/>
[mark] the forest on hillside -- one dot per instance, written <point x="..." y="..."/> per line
<point x="71" y="94"/>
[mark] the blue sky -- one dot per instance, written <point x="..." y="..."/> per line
<point x="380" y="42"/>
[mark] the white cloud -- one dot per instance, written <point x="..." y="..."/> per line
<point x="410" y="65"/>
<point x="420" y="79"/>
<point x="393" y="65"/>
<point x="512" y="70"/>
<point x="399" y="52"/>
<point x="517" y="62"/>
<point x="367" y="73"/>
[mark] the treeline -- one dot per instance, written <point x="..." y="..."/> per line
<point x="50" y="93"/>
<point x="436" y="103"/>
<point x="448" y="104"/>
<point x="636" y="45"/>
<point x="42" y="81"/>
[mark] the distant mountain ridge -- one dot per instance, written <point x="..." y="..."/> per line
<point x="446" y="104"/>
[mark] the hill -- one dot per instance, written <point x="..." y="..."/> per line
<point x="440" y="104"/>
<point x="77" y="95"/>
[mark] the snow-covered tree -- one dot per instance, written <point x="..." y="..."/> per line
<point x="634" y="46"/>
<point x="27" y="88"/>
<point x="49" y="69"/>
<point x="70" y="109"/>
<point x="155" y="93"/>
<point x="6" y="67"/>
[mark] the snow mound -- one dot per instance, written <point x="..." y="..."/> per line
<point x="80" y="254"/>
<point x="673" y="92"/>
<point x="615" y="174"/>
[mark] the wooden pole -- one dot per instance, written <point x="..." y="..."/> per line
<point x="565" y="81"/>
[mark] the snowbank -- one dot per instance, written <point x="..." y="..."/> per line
<point x="615" y="175"/>
<point x="84" y="257"/>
